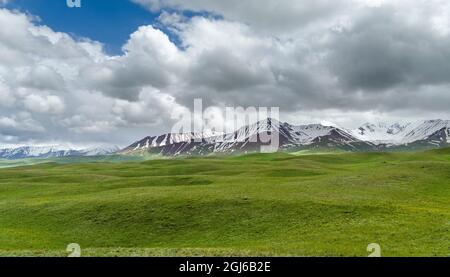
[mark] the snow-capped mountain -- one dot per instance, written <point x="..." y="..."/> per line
<point x="250" y="138"/>
<point x="171" y="144"/>
<point x="261" y="135"/>
<point x="427" y="132"/>
<point x="437" y="131"/>
<point x="99" y="150"/>
<point x="381" y="132"/>
<point x="264" y="136"/>
<point x="290" y="137"/>
<point x="53" y="152"/>
<point x="169" y="139"/>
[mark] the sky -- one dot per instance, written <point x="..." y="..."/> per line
<point x="110" y="22"/>
<point x="112" y="72"/>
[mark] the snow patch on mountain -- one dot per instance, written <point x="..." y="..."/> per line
<point x="23" y="152"/>
<point x="306" y="134"/>
<point x="382" y="132"/>
<point x="257" y="136"/>
<point x="425" y="129"/>
<point x="169" y="139"/>
<point x="400" y="133"/>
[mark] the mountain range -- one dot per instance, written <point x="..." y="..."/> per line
<point x="369" y="137"/>
<point x="381" y="136"/>
<point x="44" y="152"/>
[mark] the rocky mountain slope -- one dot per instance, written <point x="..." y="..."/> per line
<point x="264" y="135"/>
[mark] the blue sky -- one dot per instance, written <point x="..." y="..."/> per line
<point x="108" y="21"/>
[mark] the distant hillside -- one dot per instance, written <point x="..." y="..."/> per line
<point x="53" y="152"/>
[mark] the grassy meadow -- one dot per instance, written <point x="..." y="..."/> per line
<point x="253" y="205"/>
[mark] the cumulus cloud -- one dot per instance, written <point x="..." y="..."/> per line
<point x="44" y="104"/>
<point x="150" y="59"/>
<point x="7" y="99"/>
<point x="63" y="87"/>
<point x="352" y="60"/>
<point x="21" y="123"/>
<point x="277" y="16"/>
<point x="382" y="50"/>
<point x="347" y="54"/>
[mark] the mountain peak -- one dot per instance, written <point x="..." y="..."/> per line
<point x="269" y="121"/>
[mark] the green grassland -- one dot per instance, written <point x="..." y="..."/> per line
<point x="68" y="160"/>
<point x="332" y="204"/>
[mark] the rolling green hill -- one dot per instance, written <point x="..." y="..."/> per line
<point x="254" y="205"/>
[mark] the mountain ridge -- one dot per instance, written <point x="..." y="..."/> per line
<point x="381" y="136"/>
<point x="43" y="152"/>
<point x="369" y="137"/>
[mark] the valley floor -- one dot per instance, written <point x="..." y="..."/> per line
<point x="254" y="205"/>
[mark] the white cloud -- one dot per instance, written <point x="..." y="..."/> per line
<point x="346" y="59"/>
<point x="21" y="123"/>
<point x="50" y="104"/>
<point x="7" y="99"/>
<point x="83" y="125"/>
<point x="275" y="16"/>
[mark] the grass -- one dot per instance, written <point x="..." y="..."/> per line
<point x="254" y="205"/>
<point x="68" y="160"/>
